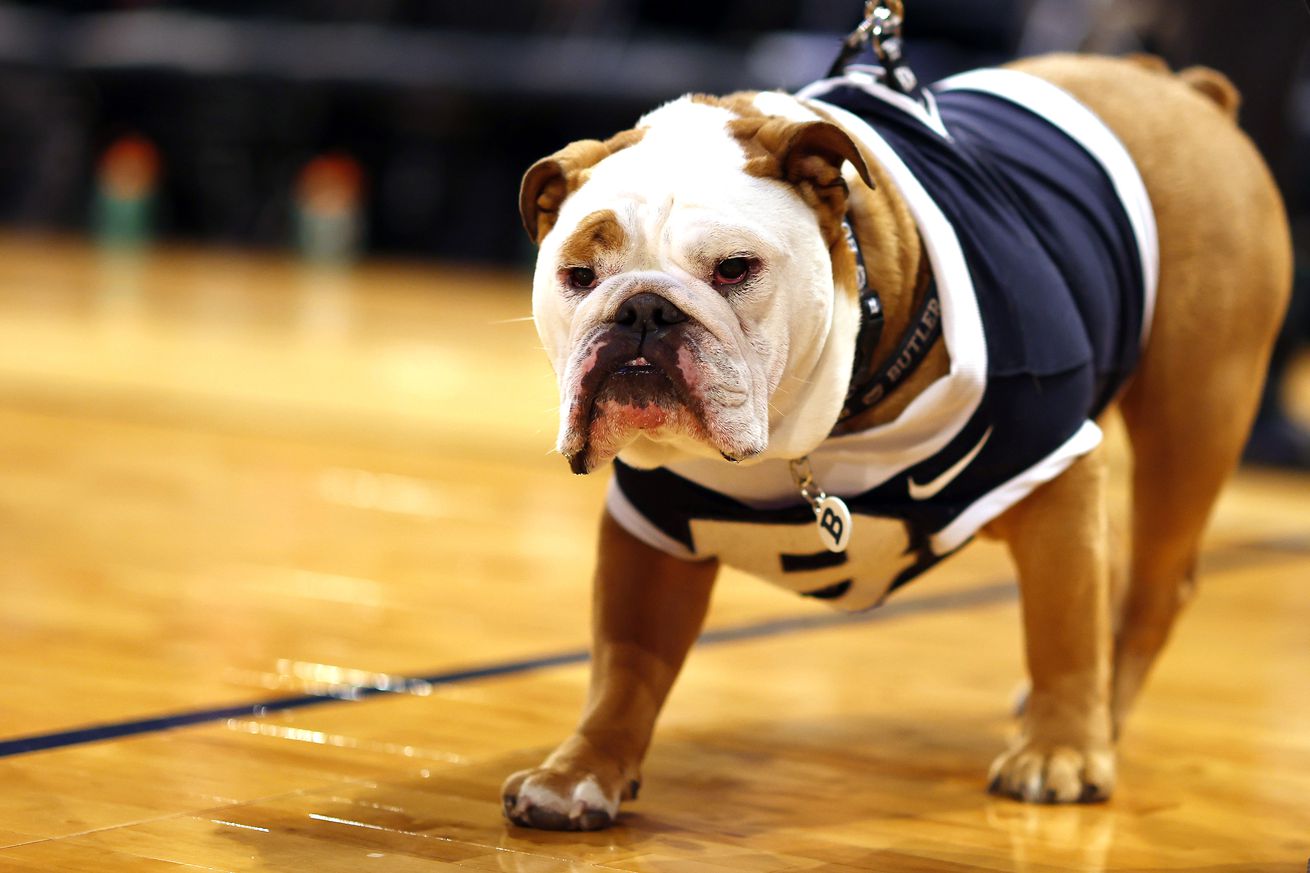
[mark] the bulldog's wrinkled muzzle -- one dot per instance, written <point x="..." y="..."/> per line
<point x="634" y="380"/>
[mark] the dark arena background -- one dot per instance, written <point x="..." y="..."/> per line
<point x="292" y="579"/>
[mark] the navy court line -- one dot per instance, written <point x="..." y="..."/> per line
<point x="985" y="595"/>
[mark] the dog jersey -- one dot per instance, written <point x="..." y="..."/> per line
<point x="1042" y="243"/>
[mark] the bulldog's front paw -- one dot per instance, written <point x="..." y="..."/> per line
<point x="1052" y="773"/>
<point x="567" y="795"/>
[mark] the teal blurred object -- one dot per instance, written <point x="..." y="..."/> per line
<point x="124" y="209"/>
<point x="329" y="210"/>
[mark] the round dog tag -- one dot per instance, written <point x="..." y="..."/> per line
<point x="834" y="523"/>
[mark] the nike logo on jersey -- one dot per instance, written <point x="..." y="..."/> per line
<point x="931" y="489"/>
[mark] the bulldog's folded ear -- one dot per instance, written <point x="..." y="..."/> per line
<point x="809" y="155"/>
<point x="550" y="180"/>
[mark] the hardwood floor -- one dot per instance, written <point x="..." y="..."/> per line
<point x="291" y="583"/>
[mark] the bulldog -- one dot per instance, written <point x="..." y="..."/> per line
<point x="829" y="338"/>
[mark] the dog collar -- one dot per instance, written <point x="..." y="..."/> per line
<point x="870" y="383"/>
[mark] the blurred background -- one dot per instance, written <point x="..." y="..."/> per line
<point x="275" y="421"/>
<point x="338" y="129"/>
<point x="435" y="108"/>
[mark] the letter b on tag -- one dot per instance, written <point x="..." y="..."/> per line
<point x="834" y="523"/>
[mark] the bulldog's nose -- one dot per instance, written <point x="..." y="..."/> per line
<point x="646" y="312"/>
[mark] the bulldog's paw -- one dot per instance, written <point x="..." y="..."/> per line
<point x="559" y="798"/>
<point x="1052" y="773"/>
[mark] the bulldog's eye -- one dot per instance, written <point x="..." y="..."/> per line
<point x="731" y="271"/>
<point x="581" y="278"/>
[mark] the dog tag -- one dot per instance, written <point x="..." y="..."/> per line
<point x="834" y="520"/>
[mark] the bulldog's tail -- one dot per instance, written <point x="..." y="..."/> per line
<point x="1216" y="86"/>
<point x="1207" y="82"/>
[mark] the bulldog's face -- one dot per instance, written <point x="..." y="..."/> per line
<point x="685" y="285"/>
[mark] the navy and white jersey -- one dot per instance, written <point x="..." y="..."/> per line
<point x="1041" y="239"/>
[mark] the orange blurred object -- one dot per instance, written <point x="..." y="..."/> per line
<point x="330" y="184"/>
<point x="129" y="168"/>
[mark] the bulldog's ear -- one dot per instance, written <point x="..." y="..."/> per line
<point x="550" y="180"/>
<point x="809" y="155"/>
<point x="814" y="148"/>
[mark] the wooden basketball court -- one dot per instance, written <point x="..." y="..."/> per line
<point x="291" y="582"/>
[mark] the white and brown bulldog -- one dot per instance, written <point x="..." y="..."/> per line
<point x="711" y="329"/>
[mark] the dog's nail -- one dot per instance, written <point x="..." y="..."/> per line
<point x="509" y="801"/>
<point x="729" y="458"/>
<point x="633" y="787"/>
<point x="594" y="820"/>
<point x="1050" y="796"/>
<point x="547" y="819"/>
<point x="1091" y="793"/>
<point x="994" y="787"/>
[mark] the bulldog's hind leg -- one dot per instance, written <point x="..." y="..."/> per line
<point x="1188" y="414"/>
<point x="1225" y="276"/>
<point x="647" y="610"/>
<point x="1225" y="271"/>
<point x="1059" y="539"/>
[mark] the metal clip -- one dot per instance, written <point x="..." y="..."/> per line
<point x="831" y="514"/>
<point x="803" y="477"/>
<point x="885" y="18"/>
<point x="881" y="27"/>
<point x="882" y="20"/>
